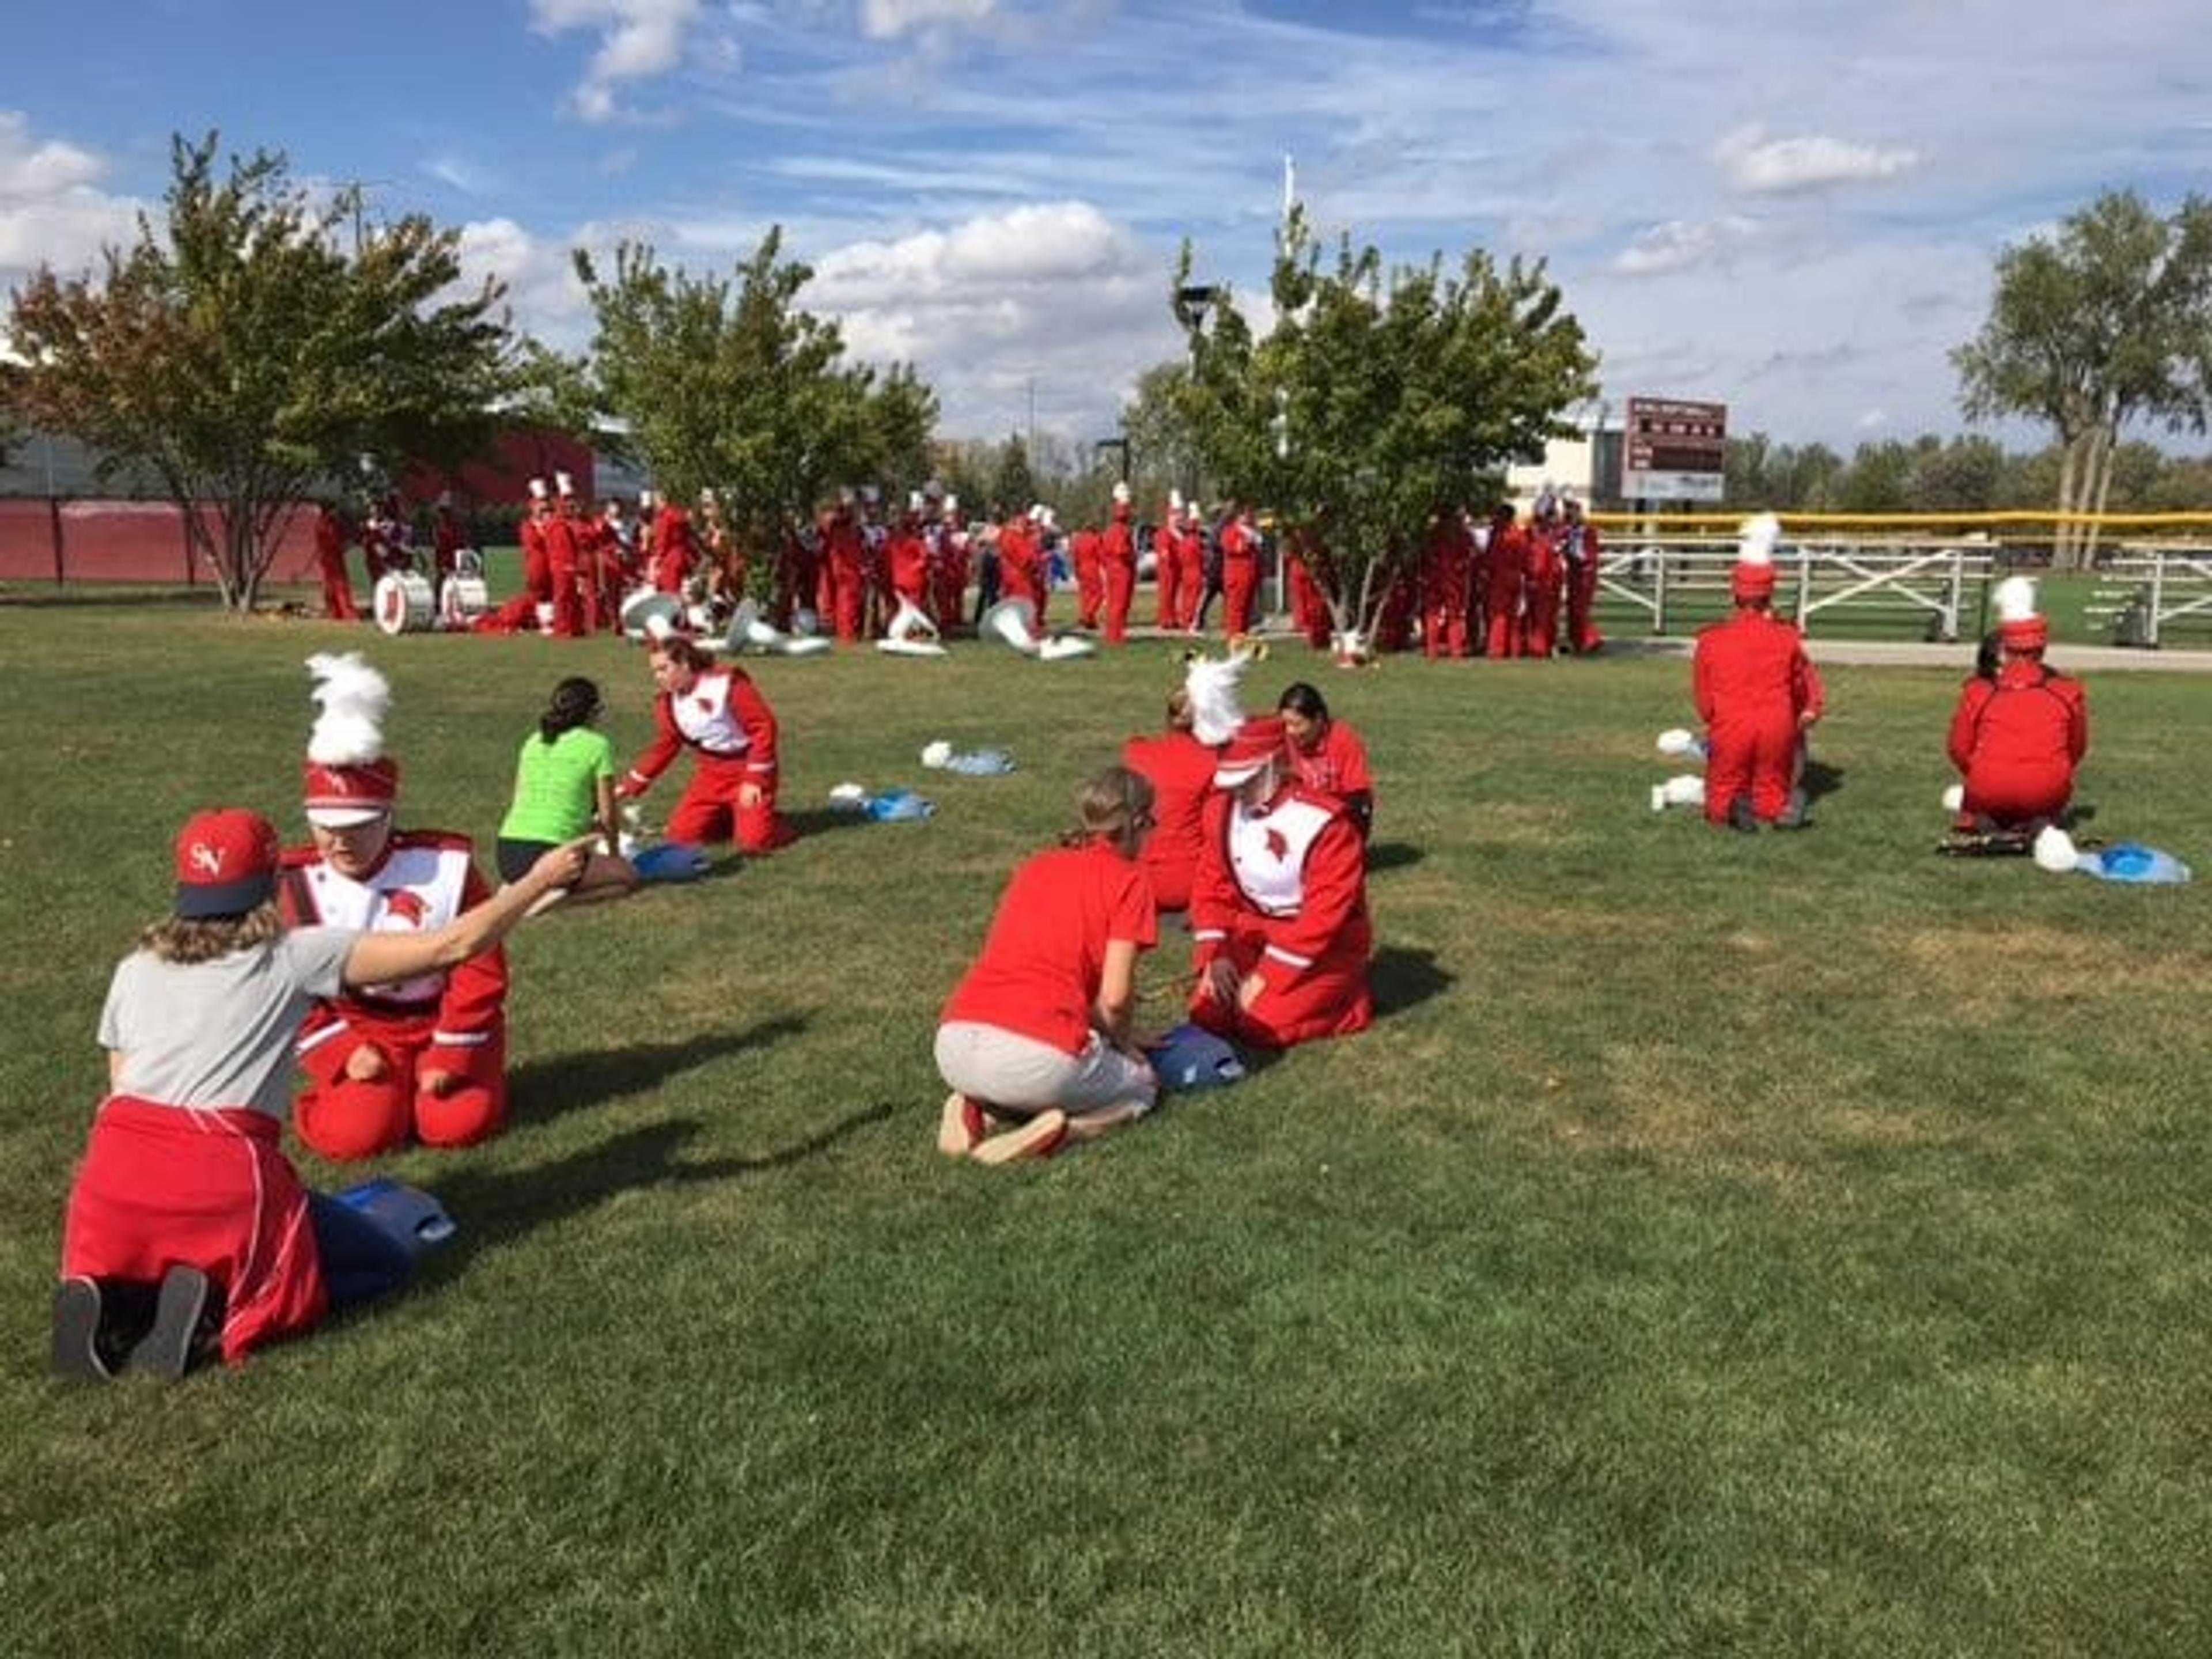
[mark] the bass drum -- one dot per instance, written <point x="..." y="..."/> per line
<point x="461" y="600"/>
<point x="402" y="602"/>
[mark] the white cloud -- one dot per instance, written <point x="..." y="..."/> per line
<point x="1756" y="165"/>
<point x="1682" y="245"/>
<point x="52" y="212"/>
<point x="887" y="19"/>
<point x="639" y="40"/>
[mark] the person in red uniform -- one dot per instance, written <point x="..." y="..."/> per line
<point x="536" y="573"/>
<point x="1308" y="605"/>
<point x="1278" y="909"/>
<point x="948" y="567"/>
<point x="1038" y="1031"/>
<point x="1239" y="570"/>
<point x="1021" y="560"/>
<point x="672" y="549"/>
<point x="717" y="712"/>
<point x="1326" y="753"/>
<point x="564" y="534"/>
<point x="448" y="536"/>
<point x="844" y="569"/>
<point x="424" y="1057"/>
<point x="1757" y="694"/>
<point x="1543" y="577"/>
<point x="2018" y="734"/>
<point x="187" y="1226"/>
<point x="1579" y="550"/>
<point x="1505" y="555"/>
<point x="1180" y="769"/>
<point x="1082" y="552"/>
<point x="907" y="553"/>
<point x="1117" y="565"/>
<point x="330" y="559"/>
<point x="1167" y="566"/>
<point x="1446" y="572"/>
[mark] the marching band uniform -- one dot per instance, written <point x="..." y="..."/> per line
<point x="908" y="557"/>
<point x="2016" y="736"/>
<point x="1190" y="566"/>
<point x="1240" y="571"/>
<point x="1337" y="765"/>
<point x="565" y="563"/>
<point x="536" y="573"/>
<point x="1021" y="561"/>
<point x="1280" y="893"/>
<point x="1541" y="575"/>
<point x="1083" y="551"/>
<point x="1117" y="560"/>
<point x="447" y="538"/>
<point x="844" y="571"/>
<point x="1507" y="557"/>
<point x="330" y="559"/>
<point x="1309" y="605"/>
<point x="948" y="567"/>
<point x="721" y="716"/>
<point x="1757" y="692"/>
<point x="671" y="549"/>
<point x="1447" y="573"/>
<point x="1579" y="547"/>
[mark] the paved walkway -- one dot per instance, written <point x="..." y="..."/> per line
<point x="1913" y="654"/>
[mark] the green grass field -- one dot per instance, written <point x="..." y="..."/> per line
<point x="1721" y="1244"/>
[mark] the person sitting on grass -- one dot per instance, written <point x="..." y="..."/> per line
<point x="1037" y="1034"/>
<point x="564" y="790"/>
<point x="2018" y="732"/>
<point x="186" y="1215"/>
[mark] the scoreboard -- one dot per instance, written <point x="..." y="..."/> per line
<point x="1673" y="450"/>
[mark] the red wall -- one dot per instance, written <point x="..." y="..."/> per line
<point x="125" y="541"/>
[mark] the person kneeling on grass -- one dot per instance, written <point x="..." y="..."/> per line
<point x="185" y="1214"/>
<point x="1038" y="1032"/>
<point x="564" y="788"/>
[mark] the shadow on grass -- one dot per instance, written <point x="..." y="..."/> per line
<point x="1392" y="855"/>
<point x="545" y="1088"/>
<point x="1400" y="978"/>
<point x="1821" y="778"/>
<point x="496" y="1207"/>
<point x="809" y="822"/>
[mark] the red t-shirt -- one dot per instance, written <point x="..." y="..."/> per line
<point x="1338" y="766"/>
<point x="1045" y="956"/>
<point x="1180" y="769"/>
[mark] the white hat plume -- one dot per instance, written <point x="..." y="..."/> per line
<point x="2016" y="597"/>
<point x="1756" y="540"/>
<point x="355" y="699"/>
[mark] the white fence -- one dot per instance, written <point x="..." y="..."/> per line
<point x="2144" y="592"/>
<point x="1928" y="588"/>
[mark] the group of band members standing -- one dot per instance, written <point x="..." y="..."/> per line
<point x="1508" y="587"/>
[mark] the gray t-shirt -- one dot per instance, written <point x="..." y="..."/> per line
<point x="220" y="1033"/>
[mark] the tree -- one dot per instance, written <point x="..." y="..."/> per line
<point x="1163" y="450"/>
<point x="725" y="382"/>
<point x="1014" y="486"/>
<point x="244" y="354"/>
<point x="1377" y="402"/>
<point x="2110" y="323"/>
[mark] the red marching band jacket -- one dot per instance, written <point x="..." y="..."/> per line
<point x="426" y="878"/>
<point x="723" y="716"/>
<point x="1296" y="874"/>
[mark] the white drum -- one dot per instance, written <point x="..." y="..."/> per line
<point x="402" y="602"/>
<point x="461" y="600"/>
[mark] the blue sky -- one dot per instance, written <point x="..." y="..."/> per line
<point x="1792" y="206"/>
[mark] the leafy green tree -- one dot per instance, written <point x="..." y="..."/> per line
<point x="728" y="383"/>
<point x="250" y="348"/>
<point x="1379" y="400"/>
<point x="1164" y="449"/>
<point x="2108" y="323"/>
<point x="1014" y="486"/>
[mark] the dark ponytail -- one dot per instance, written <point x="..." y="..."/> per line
<point x="575" y="700"/>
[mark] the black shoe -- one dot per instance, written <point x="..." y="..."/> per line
<point x="1740" y="816"/>
<point x="76" y="1332"/>
<point x="167" y="1350"/>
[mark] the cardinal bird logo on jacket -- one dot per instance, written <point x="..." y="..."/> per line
<point x="1277" y="845"/>
<point x="403" y="906"/>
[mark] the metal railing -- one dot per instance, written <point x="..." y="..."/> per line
<point x="2142" y="591"/>
<point x="1933" y="588"/>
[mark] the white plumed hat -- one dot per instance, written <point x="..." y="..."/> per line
<point x="538" y="490"/>
<point x="564" y="484"/>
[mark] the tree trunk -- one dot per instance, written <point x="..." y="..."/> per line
<point x="2065" y="534"/>
<point x="2108" y="441"/>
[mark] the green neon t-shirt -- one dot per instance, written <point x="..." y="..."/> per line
<point x="557" y="786"/>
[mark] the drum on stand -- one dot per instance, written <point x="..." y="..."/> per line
<point x="461" y="600"/>
<point x="402" y="602"/>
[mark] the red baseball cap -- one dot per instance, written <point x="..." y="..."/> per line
<point x="226" y="863"/>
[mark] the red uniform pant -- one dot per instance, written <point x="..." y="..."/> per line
<point x="710" y="811"/>
<point x="1240" y="582"/>
<point x="343" y="1117"/>
<point x="337" y="590"/>
<point x="1121" y="588"/>
<point x="1328" y="999"/>
<point x="1582" y="603"/>
<point x="2012" y="797"/>
<point x="1753" y="754"/>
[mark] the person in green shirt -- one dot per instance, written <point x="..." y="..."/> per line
<point x="564" y="788"/>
